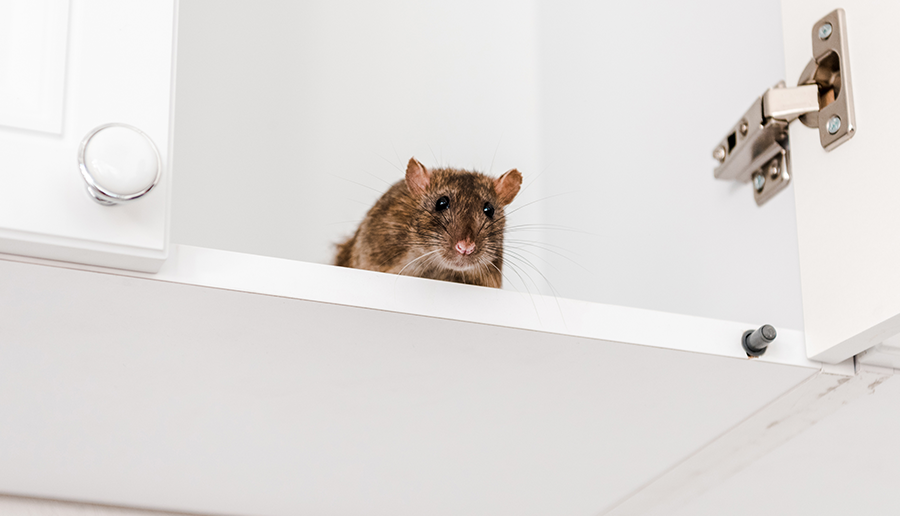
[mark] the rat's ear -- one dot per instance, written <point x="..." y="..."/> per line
<point x="507" y="186"/>
<point x="417" y="177"/>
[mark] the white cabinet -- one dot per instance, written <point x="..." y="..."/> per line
<point x="76" y="65"/>
<point x="847" y="213"/>
<point x="230" y="383"/>
<point x="226" y="372"/>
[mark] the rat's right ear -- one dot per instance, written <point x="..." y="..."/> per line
<point x="417" y="177"/>
<point x="507" y="186"/>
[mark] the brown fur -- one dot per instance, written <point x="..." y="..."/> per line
<point x="403" y="227"/>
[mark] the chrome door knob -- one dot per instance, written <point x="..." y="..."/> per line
<point x="119" y="163"/>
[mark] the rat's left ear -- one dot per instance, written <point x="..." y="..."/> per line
<point x="417" y="177"/>
<point x="507" y="186"/>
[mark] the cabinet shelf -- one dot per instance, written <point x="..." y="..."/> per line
<point x="268" y="386"/>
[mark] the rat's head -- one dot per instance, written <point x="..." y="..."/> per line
<point x="459" y="215"/>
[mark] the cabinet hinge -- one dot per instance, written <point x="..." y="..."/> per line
<point x="757" y="149"/>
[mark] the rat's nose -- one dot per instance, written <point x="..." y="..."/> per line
<point x="465" y="247"/>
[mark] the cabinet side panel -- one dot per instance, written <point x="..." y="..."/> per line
<point x="847" y="211"/>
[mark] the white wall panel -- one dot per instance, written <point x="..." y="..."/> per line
<point x="294" y="117"/>
<point x="634" y="96"/>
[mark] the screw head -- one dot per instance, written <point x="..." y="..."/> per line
<point x="825" y="31"/>
<point x="833" y="125"/>
<point x="759" y="181"/>
<point x="773" y="170"/>
<point x="719" y="154"/>
<point x="744" y="127"/>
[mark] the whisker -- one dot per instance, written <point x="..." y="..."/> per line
<point x="535" y="178"/>
<point x="440" y="222"/>
<point x="414" y="261"/>
<point x="505" y="277"/>
<point x="438" y="163"/>
<point x="523" y="242"/>
<point x="536" y="255"/>
<point x="356" y="183"/>
<point x="380" y="179"/>
<point x="538" y="200"/>
<point x="530" y="295"/>
<point x="539" y="227"/>
<point x="491" y="168"/>
<point x="369" y="204"/>
<point x="528" y="262"/>
<point x="516" y="267"/>
<point x="400" y="161"/>
<point x="535" y="243"/>
<point x="389" y="163"/>
<point x="556" y="295"/>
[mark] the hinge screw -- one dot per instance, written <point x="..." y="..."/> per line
<point x="719" y="154"/>
<point x="834" y="124"/>
<point x="773" y="170"/>
<point x="744" y="127"/>
<point x="759" y="181"/>
<point x="825" y="31"/>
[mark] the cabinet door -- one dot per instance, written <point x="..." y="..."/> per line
<point x="848" y="217"/>
<point x="67" y="67"/>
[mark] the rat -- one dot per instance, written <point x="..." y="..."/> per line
<point x="438" y="223"/>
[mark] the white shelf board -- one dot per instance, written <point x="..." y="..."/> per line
<point x="239" y="384"/>
<point x="415" y="296"/>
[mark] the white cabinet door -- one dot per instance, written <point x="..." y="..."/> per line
<point x="848" y="217"/>
<point x="67" y="67"/>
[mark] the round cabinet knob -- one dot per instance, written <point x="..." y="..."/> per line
<point x="119" y="163"/>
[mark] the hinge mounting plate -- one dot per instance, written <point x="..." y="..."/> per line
<point x="757" y="149"/>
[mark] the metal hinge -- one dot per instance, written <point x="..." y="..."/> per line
<point x="757" y="149"/>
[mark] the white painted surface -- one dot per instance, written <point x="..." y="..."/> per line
<point x="197" y="392"/>
<point x="634" y="98"/>
<point x="847" y="212"/>
<point x="777" y="423"/>
<point x="118" y="69"/>
<point x="291" y="127"/>
<point x="885" y="354"/>
<point x="22" y="506"/>
<point x="165" y="395"/>
<point x="33" y="37"/>
<point x="409" y="295"/>
<point x="845" y="464"/>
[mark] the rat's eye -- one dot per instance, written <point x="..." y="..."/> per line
<point x="442" y="204"/>
<point x="488" y="210"/>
